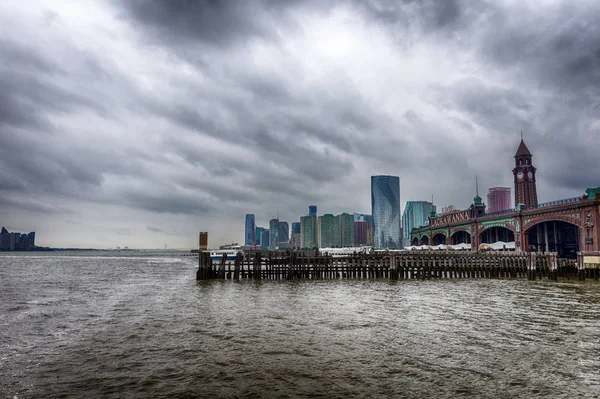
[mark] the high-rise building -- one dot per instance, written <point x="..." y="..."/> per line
<point x="4" y="239"/>
<point x="346" y="229"/>
<point x="265" y="240"/>
<point x="416" y="214"/>
<point x="312" y="210"/>
<point x="361" y="233"/>
<point x="32" y="238"/>
<point x="308" y="232"/>
<point x="249" y="237"/>
<point x="295" y="227"/>
<point x="283" y="233"/>
<point x="329" y="236"/>
<point x="361" y="217"/>
<point x="258" y="234"/>
<point x="498" y="199"/>
<point x="273" y="233"/>
<point x="385" y="204"/>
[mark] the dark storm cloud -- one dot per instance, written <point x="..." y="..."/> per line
<point x="214" y="22"/>
<point x="28" y="92"/>
<point x="226" y="107"/>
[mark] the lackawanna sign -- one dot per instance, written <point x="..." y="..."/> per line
<point x="456" y="217"/>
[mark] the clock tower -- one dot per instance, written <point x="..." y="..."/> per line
<point x="524" y="173"/>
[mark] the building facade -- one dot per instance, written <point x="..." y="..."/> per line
<point x="328" y="230"/>
<point x="312" y="210"/>
<point x="498" y="199"/>
<point x="250" y="231"/>
<point x="385" y="204"/>
<point x="308" y="232"/>
<point x="265" y="240"/>
<point x="346" y="229"/>
<point x="258" y="233"/>
<point x="361" y="233"/>
<point x="416" y="214"/>
<point x="565" y="226"/>
<point x="273" y="233"/>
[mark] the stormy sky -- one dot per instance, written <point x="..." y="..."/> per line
<point x="140" y="123"/>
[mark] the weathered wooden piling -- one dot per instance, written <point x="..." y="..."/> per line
<point x="204" y="266"/>
<point x="395" y="266"/>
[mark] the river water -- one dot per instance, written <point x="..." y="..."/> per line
<point x="108" y="325"/>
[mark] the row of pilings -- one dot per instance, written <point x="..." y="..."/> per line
<point x="393" y="266"/>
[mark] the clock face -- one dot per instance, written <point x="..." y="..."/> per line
<point x="530" y="175"/>
<point x="520" y="175"/>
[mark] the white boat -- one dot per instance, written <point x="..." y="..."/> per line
<point x="217" y="254"/>
<point x="342" y="252"/>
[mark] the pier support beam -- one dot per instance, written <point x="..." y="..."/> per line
<point x="580" y="266"/>
<point x="393" y="268"/>
<point x="204" y="266"/>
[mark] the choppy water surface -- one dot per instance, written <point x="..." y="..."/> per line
<point x="140" y="326"/>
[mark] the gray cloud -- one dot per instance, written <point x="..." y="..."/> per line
<point x="199" y="112"/>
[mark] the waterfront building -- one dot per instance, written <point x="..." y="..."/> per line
<point x="265" y="239"/>
<point x="258" y="231"/>
<point x="250" y="231"/>
<point x="567" y="226"/>
<point x="416" y="214"/>
<point x="308" y="231"/>
<point x="498" y="199"/>
<point x="273" y="231"/>
<point x="328" y="231"/>
<point x="385" y="204"/>
<point x="296" y="240"/>
<point x="4" y="240"/>
<point x="283" y="233"/>
<point x="279" y="234"/>
<point x="31" y="236"/>
<point x="295" y="227"/>
<point x="361" y="233"/>
<point x="312" y="210"/>
<point x="346" y="229"/>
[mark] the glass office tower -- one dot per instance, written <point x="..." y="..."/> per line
<point x="250" y="235"/>
<point x="385" y="205"/>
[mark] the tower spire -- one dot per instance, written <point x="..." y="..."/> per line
<point x="521" y="134"/>
<point x="476" y="186"/>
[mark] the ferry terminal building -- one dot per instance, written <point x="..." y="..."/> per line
<point x="565" y="226"/>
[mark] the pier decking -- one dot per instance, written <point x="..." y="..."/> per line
<point x="394" y="266"/>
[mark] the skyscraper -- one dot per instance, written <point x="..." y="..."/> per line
<point x="385" y="204"/>
<point x="283" y="233"/>
<point x="295" y="227"/>
<point x="346" y="229"/>
<point x="308" y="231"/>
<point x="498" y="199"/>
<point x="250" y="238"/>
<point x="258" y="234"/>
<point x="329" y="236"/>
<point x="416" y="214"/>
<point x="361" y="232"/>
<point x="273" y="231"/>
<point x="265" y="240"/>
<point x="312" y="210"/>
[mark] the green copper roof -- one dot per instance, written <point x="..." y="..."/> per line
<point x="477" y="200"/>
<point x="593" y="193"/>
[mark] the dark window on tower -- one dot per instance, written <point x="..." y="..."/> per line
<point x="527" y="162"/>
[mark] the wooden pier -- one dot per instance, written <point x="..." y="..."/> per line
<point x="394" y="266"/>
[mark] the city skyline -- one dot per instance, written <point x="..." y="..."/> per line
<point x="170" y="119"/>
